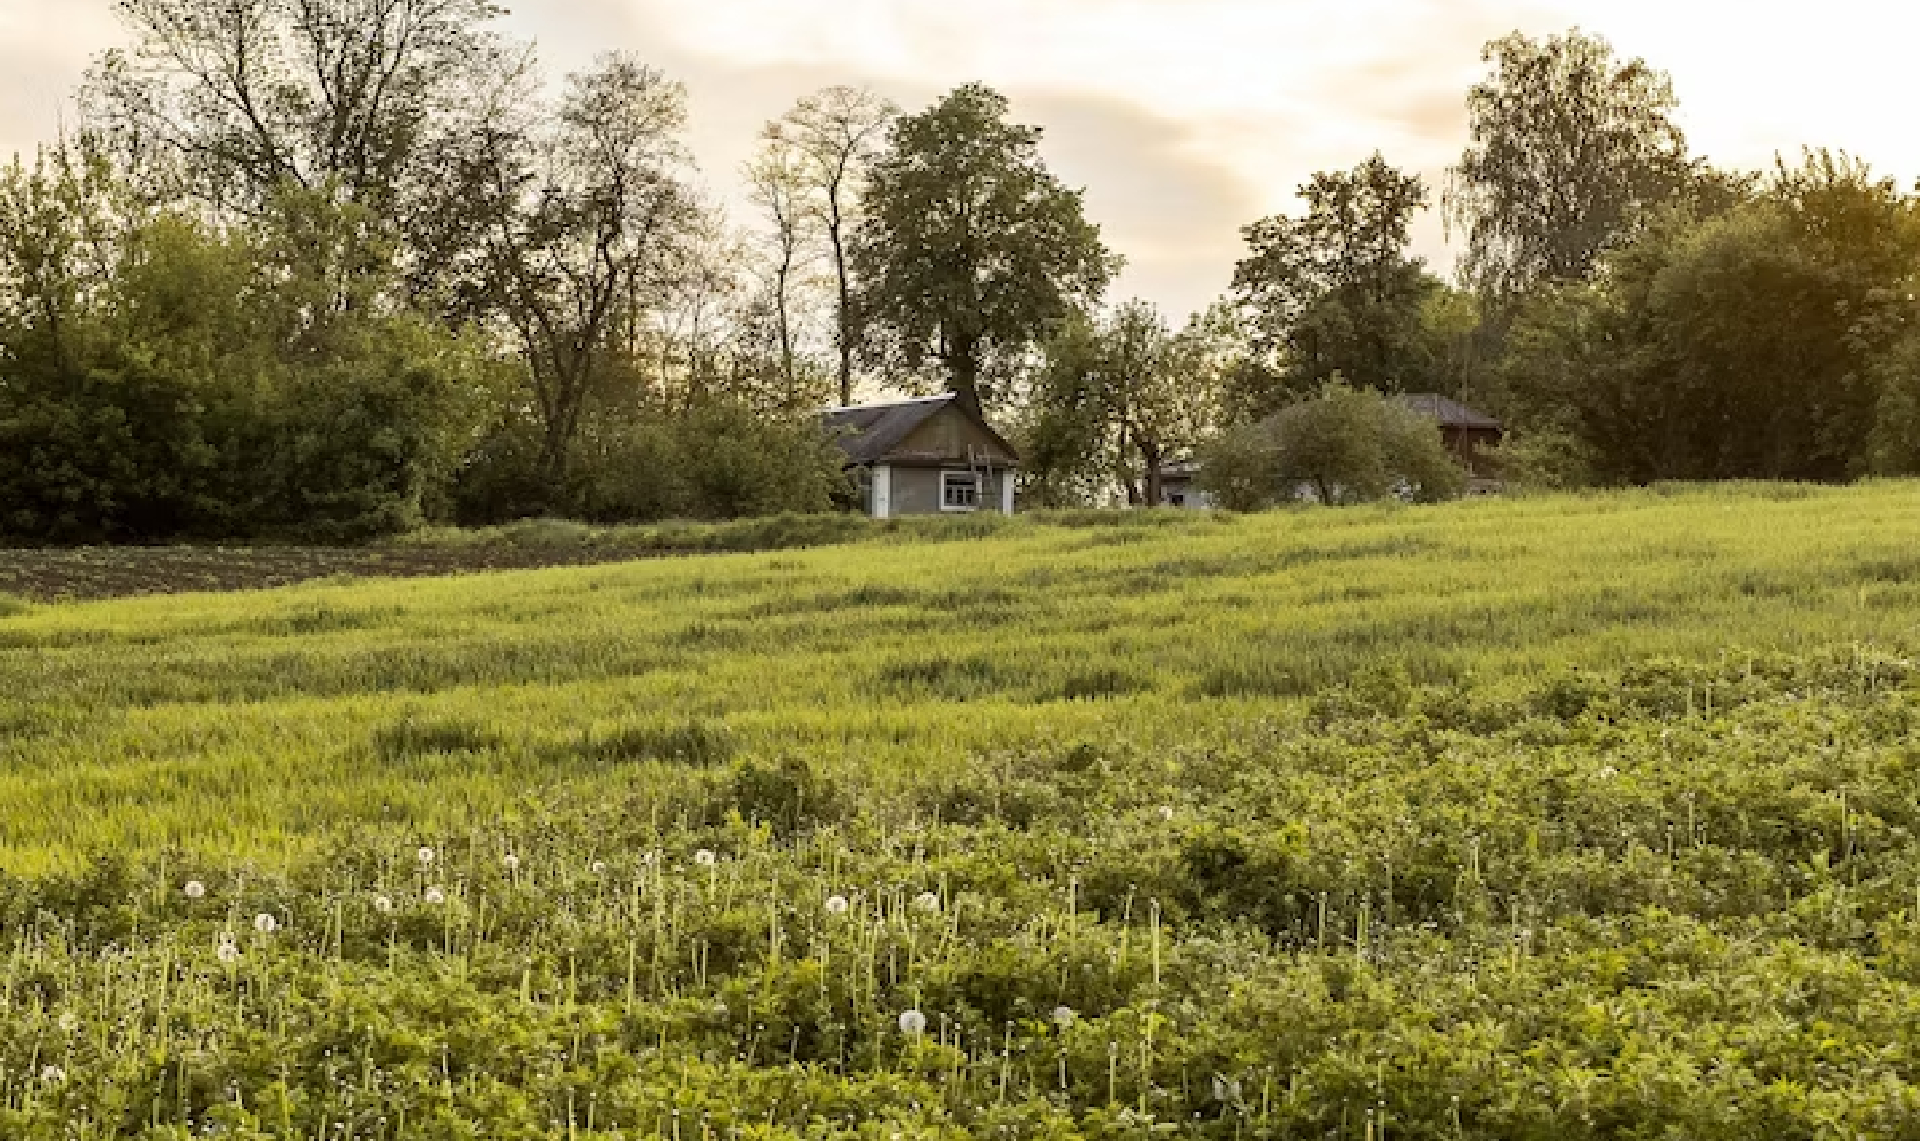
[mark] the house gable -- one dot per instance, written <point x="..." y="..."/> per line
<point x="929" y="432"/>
<point x="950" y="436"/>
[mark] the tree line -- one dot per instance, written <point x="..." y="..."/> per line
<point x="327" y="269"/>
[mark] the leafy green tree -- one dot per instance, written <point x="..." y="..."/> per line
<point x="160" y="376"/>
<point x="1571" y="150"/>
<point x="1335" y="291"/>
<point x="970" y="247"/>
<point x="1117" y="398"/>
<point x="1344" y="445"/>
<point x="1749" y="344"/>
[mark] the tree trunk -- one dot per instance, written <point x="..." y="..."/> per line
<point x="845" y="331"/>
<point x="785" y="321"/>
<point x="963" y="368"/>
<point x="1151" y="455"/>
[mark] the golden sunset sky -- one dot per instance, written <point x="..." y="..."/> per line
<point x="1183" y="119"/>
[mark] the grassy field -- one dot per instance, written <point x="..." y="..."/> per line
<point x="1557" y="817"/>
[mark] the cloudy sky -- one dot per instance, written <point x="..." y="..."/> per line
<point x="1184" y="119"/>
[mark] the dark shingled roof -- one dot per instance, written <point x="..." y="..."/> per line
<point x="1448" y="413"/>
<point x="869" y="432"/>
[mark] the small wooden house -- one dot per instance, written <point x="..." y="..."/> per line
<point x="1464" y="431"/>
<point x="924" y="457"/>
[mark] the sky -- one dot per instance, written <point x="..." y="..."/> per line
<point x="1183" y="120"/>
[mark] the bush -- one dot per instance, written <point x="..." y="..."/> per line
<point x="1345" y="445"/>
<point x="1546" y="459"/>
<point x="719" y="461"/>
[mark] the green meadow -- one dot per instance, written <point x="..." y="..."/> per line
<point x="1539" y="817"/>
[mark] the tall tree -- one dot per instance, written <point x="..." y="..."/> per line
<point x="1117" y="398"/>
<point x="1336" y="291"/>
<point x="241" y="96"/>
<point x="829" y="141"/>
<point x="1749" y="344"/>
<point x="778" y="183"/>
<point x="1570" y="151"/>
<point x="581" y="220"/>
<point x="971" y="247"/>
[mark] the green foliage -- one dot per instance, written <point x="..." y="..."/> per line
<point x="1893" y="445"/>
<point x="1544" y="459"/>
<point x="1335" y="293"/>
<point x="1115" y="400"/>
<point x="1754" y="343"/>
<point x="1343" y="446"/>
<point x="1571" y="152"/>
<point x="193" y="381"/>
<point x="718" y="461"/>
<point x="971" y="248"/>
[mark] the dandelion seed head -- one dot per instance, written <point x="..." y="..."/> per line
<point x="265" y="923"/>
<point x="926" y="901"/>
<point x="598" y="867"/>
<point x="229" y="951"/>
<point x="383" y="904"/>
<point x="913" y="1023"/>
<point x="511" y="862"/>
<point x="194" y="889"/>
<point x="705" y="858"/>
<point x="425" y="856"/>
<point x="1063" y="1016"/>
<point x="837" y="905"/>
<point x="435" y="895"/>
<point x="52" y="1075"/>
<point x="68" y="1021"/>
<point x="1166" y="812"/>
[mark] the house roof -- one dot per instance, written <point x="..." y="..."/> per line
<point x="1448" y="413"/>
<point x="869" y="432"/>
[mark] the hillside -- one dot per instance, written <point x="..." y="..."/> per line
<point x="1557" y="817"/>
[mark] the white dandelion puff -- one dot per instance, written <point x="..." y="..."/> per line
<point x="52" y="1075"/>
<point x="913" y="1023"/>
<point x="435" y="896"/>
<point x="1063" y="1016"/>
<point x="705" y="858"/>
<point x="194" y="889"/>
<point x="926" y="901"/>
<point x="229" y="951"/>
<point x="837" y="905"/>
<point x="68" y="1021"/>
<point x="598" y="867"/>
<point x="383" y="904"/>
<point x="265" y="923"/>
<point x="511" y="862"/>
<point x="425" y="856"/>
<point x="1166" y="812"/>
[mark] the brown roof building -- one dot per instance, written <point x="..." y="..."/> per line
<point x="924" y="457"/>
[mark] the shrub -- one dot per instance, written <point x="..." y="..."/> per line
<point x="1345" y="445"/>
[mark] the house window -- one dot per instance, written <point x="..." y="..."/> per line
<point x="959" y="491"/>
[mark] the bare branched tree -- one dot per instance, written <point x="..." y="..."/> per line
<point x="238" y="97"/>
<point x="829" y="141"/>
<point x="579" y="219"/>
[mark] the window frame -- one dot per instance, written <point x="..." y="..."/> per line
<point x="949" y="479"/>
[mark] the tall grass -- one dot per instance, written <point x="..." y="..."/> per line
<point x="1550" y="817"/>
